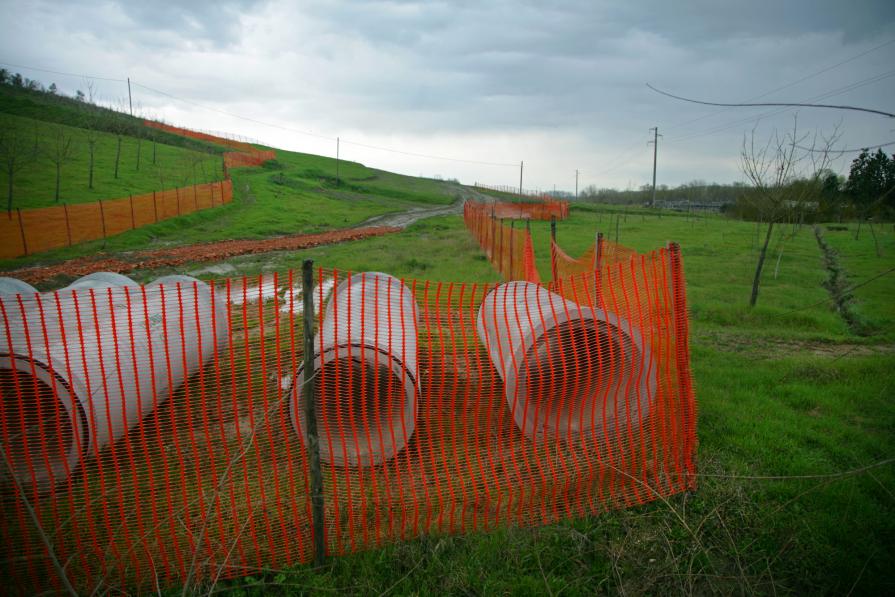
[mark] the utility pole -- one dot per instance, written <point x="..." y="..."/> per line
<point x="655" y="143"/>
<point x="337" y="161"/>
<point x="130" y="100"/>
<point x="520" y="177"/>
<point x="576" y="184"/>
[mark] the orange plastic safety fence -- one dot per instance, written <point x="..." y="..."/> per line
<point x="233" y="159"/>
<point x="176" y="130"/>
<point x="544" y="210"/>
<point x="510" y="249"/>
<point x="247" y="155"/>
<point x="25" y="232"/>
<point x="155" y="434"/>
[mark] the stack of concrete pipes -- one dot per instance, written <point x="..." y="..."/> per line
<point x="61" y="355"/>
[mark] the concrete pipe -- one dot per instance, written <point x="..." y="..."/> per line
<point x="566" y="369"/>
<point x="372" y="415"/>
<point x="14" y="313"/>
<point x="13" y="286"/>
<point x="63" y="399"/>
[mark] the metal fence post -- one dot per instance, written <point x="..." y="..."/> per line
<point x="307" y="391"/>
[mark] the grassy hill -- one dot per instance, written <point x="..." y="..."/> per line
<point x="144" y="165"/>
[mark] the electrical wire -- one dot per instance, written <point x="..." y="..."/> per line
<point x="770" y="113"/>
<point x="792" y="84"/>
<point x="269" y="124"/>
<point x="771" y="104"/>
<point x="868" y="148"/>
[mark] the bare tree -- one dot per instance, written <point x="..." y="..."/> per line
<point x="59" y="152"/>
<point x="17" y="150"/>
<point x="772" y="169"/>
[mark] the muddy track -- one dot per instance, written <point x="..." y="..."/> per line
<point x="176" y="256"/>
<point x="838" y="287"/>
<point x="415" y="214"/>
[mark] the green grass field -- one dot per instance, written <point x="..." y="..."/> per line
<point x="796" y="421"/>
<point x="793" y="409"/>
<point x="35" y="184"/>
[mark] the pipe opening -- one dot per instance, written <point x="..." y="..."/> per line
<point x="370" y="396"/>
<point x="39" y="429"/>
<point x="365" y="403"/>
<point x="567" y="374"/>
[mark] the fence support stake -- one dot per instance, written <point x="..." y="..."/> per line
<point x="307" y="391"/>
<point x="552" y="247"/>
<point x="102" y="217"/>
<point x="22" y="231"/>
<point x="512" y="234"/>
<point x="67" y="222"/>
<point x="133" y="221"/>
<point x="155" y="207"/>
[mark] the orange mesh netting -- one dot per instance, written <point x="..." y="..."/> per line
<point x="509" y="249"/>
<point x="234" y="159"/>
<point x="176" y="130"/>
<point x="247" y="155"/>
<point x="156" y="434"/>
<point x="25" y="232"/>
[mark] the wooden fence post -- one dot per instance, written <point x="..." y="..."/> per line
<point x="309" y="407"/>
<point x="155" y="207"/>
<point x="500" y="248"/>
<point x="177" y="195"/>
<point x="133" y="220"/>
<point x="512" y="234"/>
<point x="102" y="217"/>
<point x="552" y="247"/>
<point x="22" y="231"/>
<point x="67" y="222"/>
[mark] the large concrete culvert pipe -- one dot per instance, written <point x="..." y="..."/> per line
<point x="367" y="369"/>
<point x="72" y="385"/>
<point x="567" y="369"/>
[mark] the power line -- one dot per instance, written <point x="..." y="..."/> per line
<point x="770" y="104"/>
<point x="766" y="93"/>
<point x="831" y="93"/>
<point x="813" y="150"/>
<point x="793" y="83"/>
<point x="269" y="124"/>
<point x="64" y="74"/>
<point x="325" y="137"/>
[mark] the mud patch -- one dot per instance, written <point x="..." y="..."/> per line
<point x="177" y="256"/>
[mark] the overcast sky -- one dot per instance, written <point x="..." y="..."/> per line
<point x="560" y="85"/>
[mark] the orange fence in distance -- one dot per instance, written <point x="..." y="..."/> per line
<point x="157" y="431"/>
<point x="509" y="248"/>
<point x="176" y="130"/>
<point x="24" y="232"/>
<point x="240" y="159"/>
<point x="247" y="154"/>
